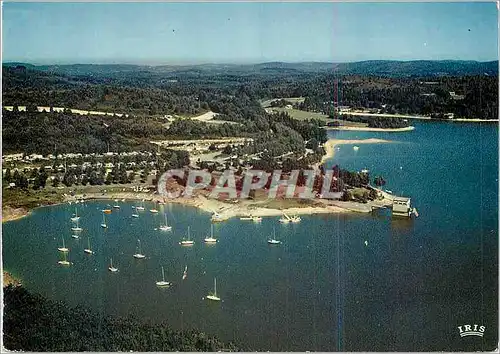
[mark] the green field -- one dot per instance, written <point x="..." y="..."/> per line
<point x="302" y="115"/>
<point x="292" y="100"/>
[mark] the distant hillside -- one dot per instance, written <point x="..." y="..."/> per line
<point x="372" y="67"/>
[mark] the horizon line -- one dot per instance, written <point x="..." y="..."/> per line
<point x="240" y="63"/>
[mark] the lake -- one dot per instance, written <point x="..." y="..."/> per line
<point x="324" y="288"/>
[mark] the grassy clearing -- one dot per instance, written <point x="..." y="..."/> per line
<point x="292" y="100"/>
<point x="30" y="199"/>
<point x="302" y="115"/>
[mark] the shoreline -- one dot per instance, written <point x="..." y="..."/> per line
<point x="332" y="143"/>
<point x="228" y="210"/>
<point x="10" y="214"/>
<point x="9" y="279"/>
<point x="367" y="129"/>
<point x="386" y="115"/>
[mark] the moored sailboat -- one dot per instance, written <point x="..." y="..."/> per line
<point x="211" y="239"/>
<point x="165" y="227"/>
<point x="63" y="248"/>
<point x="111" y="268"/>
<point x="88" y="250"/>
<point x="64" y="261"/>
<point x="213" y="296"/>
<point x="274" y="241"/>
<point x="139" y="254"/>
<point x="162" y="283"/>
<point x="188" y="241"/>
<point x="103" y="224"/>
<point x="77" y="227"/>
<point x="75" y="217"/>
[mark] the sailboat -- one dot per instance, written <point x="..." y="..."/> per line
<point x="165" y="227"/>
<point x="63" y="248"/>
<point x="75" y="236"/>
<point x="154" y="210"/>
<point x="141" y="207"/>
<point x="185" y="275"/>
<point x="135" y="215"/>
<point x="64" y="261"/>
<point x="211" y="239"/>
<point x="274" y="241"/>
<point x="88" y="250"/>
<point x="187" y="242"/>
<point x="214" y="296"/>
<point x="139" y="254"/>
<point x="76" y="217"/>
<point x="162" y="282"/>
<point x="111" y="268"/>
<point x="76" y="228"/>
<point x="104" y="225"/>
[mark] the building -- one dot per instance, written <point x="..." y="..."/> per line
<point x="401" y="207"/>
<point x="454" y="96"/>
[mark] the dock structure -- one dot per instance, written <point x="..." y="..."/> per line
<point x="401" y="207"/>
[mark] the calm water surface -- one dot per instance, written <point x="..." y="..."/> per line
<point x="322" y="289"/>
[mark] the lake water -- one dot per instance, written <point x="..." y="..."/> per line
<point x="323" y="289"/>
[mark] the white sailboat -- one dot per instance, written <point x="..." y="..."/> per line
<point x="111" y="268"/>
<point x="64" y="261"/>
<point x="63" y="248"/>
<point x="187" y="242"/>
<point x="140" y="207"/>
<point x="75" y="236"/>
<point x="88" y="249"/>
<point x="139" y="254"/>
<point x="211" y="239"/>
<point x="165" y="227"/>
<point x="76" y="217"/>
<point x="103" y="224"/>
<point x="135" y="215"/>
<point x="274" y="241"/>
<point x="162" y="283"/>
<point x="77" y="227"/>
<point x="214" y="296"/>
<point x="185" y="274"/>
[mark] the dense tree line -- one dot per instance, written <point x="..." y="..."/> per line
<point x="377" y="122"/>
<point x="43" y="133"/>
<point x="422" y="96"/>
<point x="33" y="323"/>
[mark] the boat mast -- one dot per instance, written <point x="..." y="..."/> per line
<point x="163" y="273"/>
<point x="215" y="286"/>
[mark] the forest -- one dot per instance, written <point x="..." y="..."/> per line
<point x="377" y="122"/>
<point x="33" y="323"/>
<point x="466" y="89"/>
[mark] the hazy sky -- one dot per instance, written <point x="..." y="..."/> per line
<point x="156" y="33"/>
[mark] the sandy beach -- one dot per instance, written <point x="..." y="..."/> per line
<point x="9" y="213"/>
<point x="331" y="143"/>
<point x="367" y="129"/>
